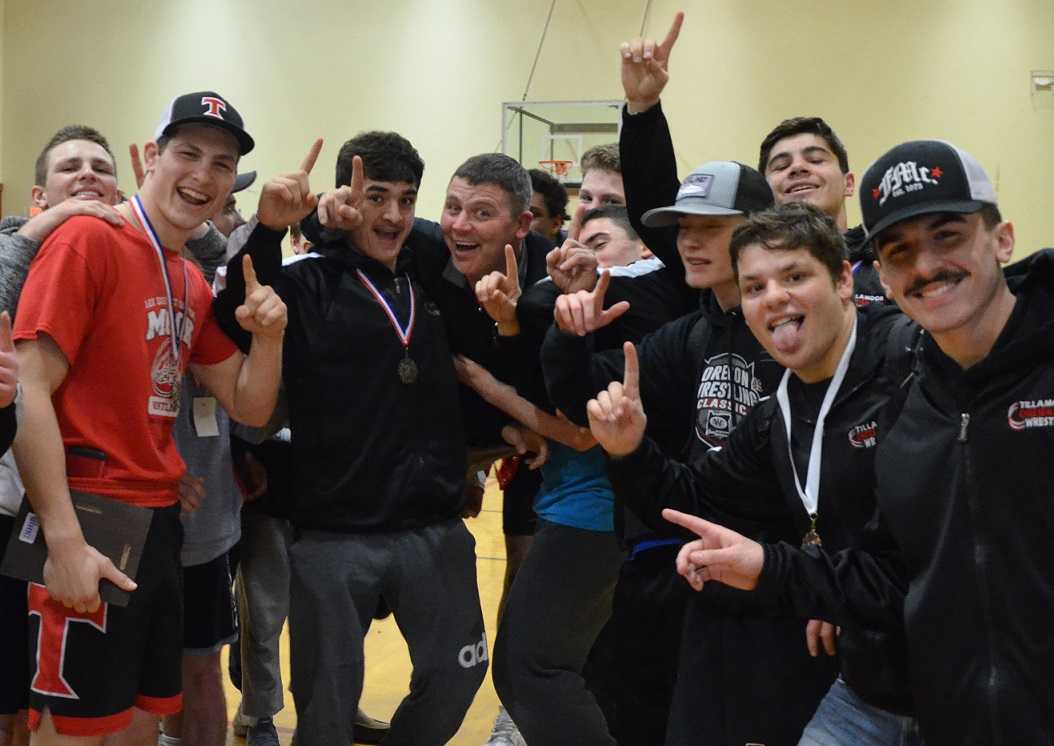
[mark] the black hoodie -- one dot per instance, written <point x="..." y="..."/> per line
<point x="964" y="495"/>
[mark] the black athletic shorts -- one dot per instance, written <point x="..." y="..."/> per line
<point x="92" y="669"/>
<point x="517" y="510"/>
<point x="14" y="636"/>
<point x="208" y="607"/>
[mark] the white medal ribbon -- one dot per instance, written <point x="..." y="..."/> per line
<point x="404" y="334"/>
<point x="175" y="333"/>
<point x="810" y="496"/>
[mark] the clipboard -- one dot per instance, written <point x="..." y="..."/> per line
<point x="116" y="529"/>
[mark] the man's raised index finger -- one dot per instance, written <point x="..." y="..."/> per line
<point x="602" y="287"/>
<point x="512" y="269"/>
<point x="576" y="223"/>
<point x="631" y="377"/>
<point x="358" y="178"/>
<point x="312" y="156"/>
<point x="673" y="33"/>
<point x="249" y="272"/>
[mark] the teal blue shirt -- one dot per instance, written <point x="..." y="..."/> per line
<point x="575" y="489"/>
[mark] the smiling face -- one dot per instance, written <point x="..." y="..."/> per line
<point x="795" y="308"/>
<point x="190" y="180"/>
<point x="77" y="169"/>
<point x="802" y="168"/>
<point x="943" y="269"/>
<point x="387" y="219"/>
<point x="702" y="242"/>
<point x="601" y="187"/>
<point x="477" y="222"/>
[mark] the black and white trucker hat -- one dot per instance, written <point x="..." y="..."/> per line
<point x="920" y="177"/>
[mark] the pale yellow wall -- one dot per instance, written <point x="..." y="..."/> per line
<point x="437" y="70"/>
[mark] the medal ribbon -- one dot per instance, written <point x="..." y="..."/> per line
<point x="810" y="496"/>
<point x="403" y="334"/>
<point x="175" y="333"/>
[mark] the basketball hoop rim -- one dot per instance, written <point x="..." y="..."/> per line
<point x="556" y="166"/>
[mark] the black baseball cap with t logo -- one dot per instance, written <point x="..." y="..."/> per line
<point x="715" y="188"/>
<point x="922" y="177"/>
<point x="205" y="107"/>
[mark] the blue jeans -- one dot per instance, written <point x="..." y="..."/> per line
<point x="843" y="719"/>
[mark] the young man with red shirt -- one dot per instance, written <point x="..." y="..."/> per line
<point x="110" y="318"/>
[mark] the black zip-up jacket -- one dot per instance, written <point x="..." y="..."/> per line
<point x="750" y="482"/>
<point x="370" y="453"/>
<point x="964" y="494"/>
<point x="470" y="331"/>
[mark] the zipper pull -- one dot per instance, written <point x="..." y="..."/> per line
<point x="964" y="423"/>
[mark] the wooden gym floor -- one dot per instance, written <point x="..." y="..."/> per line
<point x="387" y="662"/>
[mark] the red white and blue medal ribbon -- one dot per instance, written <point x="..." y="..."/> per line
<point x="810" y="496"/>
<point x="175" y="332"/>
<point x="407" y="367"/>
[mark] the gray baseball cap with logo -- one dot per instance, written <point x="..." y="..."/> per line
<point x="715" y="188"/>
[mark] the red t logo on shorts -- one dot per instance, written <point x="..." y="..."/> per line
<point x="214" y="106"/>
<point x="55" y="620"/>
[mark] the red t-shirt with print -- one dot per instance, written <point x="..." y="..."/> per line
<point x="97" y="291"/>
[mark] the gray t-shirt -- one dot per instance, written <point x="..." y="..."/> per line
<point x="214" y="527"/>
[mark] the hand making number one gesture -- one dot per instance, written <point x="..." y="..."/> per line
<point x="288" y="199"/>
<point x="339" y="209"/>
<point x="646" y="67"/>
<point x="263" y="311"/>
<point x="616" y="415"/>
<point x="583" y="312"/>
<point x="498" y="293"/>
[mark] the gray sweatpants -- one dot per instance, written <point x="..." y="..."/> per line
<point x="428" y="578"/>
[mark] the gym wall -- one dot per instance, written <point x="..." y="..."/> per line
<point x="437" y="70"/>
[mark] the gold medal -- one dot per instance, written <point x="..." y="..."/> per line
<point x="407" y="368"/>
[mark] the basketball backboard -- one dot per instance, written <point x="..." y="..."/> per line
<point x="554" y="134"/>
